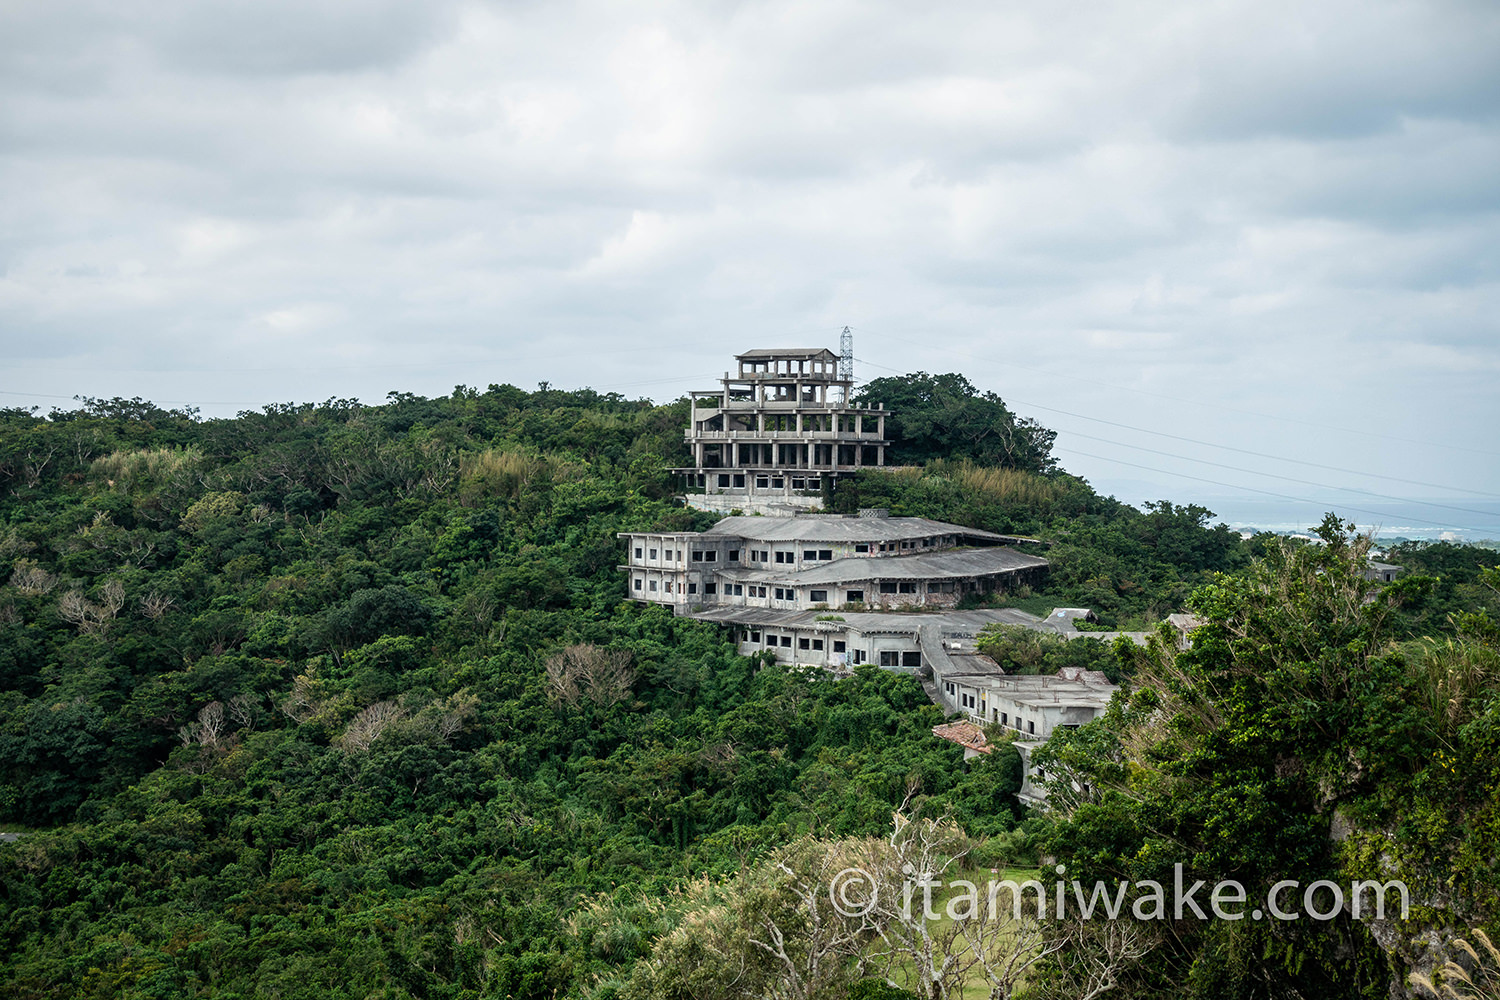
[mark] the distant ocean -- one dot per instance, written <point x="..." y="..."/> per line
<point x="1478" y="521"/>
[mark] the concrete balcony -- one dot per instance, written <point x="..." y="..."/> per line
<point x="787" y="405"/>
<point x="782" y="437"/>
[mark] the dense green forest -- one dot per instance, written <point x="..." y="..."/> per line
<point x="346" y="701"/>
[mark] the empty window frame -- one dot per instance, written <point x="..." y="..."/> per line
<point x="890" y="658"/>
<point x="818" y="596"/>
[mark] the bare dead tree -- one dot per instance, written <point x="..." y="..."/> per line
<point x="983" y="934"/>
<point x="366" y="727"/>
<point x="155" y="605"/>
<point x="562" y="680"/>
<point x="36" y="463"/>
<point x="305" y="701"/>
<point x="606" y="675"/>
<point x="13" y="545"/>
<point x="91" y="618"/>
<point x="920" y="855"/>
<point x="1096" y="953"/>
<point x="30" y="579"/>
<point x="585" y="671"/>
<point x="811" y="945"/>
<point x="242" y="709"/>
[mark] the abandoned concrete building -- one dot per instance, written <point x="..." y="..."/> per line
<point x="823" y="561"/>
<point x="777" y="432"/>
<point x="1031" y="708"/>
<point x="836" y="591"/>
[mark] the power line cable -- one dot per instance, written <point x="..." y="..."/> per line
<point x="1225" y="447"/>
<point x="1194" y="402"/>
<point x="1252" y="489"/>
<point x="1290" y="479"/>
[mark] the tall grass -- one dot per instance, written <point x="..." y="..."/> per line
<point x="997" y="485"/>
<point x="504" y="472"/>
<point x="146" y="469"/>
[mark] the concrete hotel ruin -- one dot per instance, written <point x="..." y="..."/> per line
<point x="835" y="590"/>
<point x="770" y="437"/>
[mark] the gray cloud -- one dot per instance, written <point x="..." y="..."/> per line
<point x="1281" y="208"/>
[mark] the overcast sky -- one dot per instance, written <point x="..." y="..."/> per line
<point x="1265" y="226"/>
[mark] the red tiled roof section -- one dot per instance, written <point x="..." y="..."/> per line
<point x="965" y="734"/>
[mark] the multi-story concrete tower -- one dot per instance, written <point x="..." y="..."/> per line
<point x="773" y="433"/>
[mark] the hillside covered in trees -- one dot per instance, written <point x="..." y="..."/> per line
<point x="346" y="701"/>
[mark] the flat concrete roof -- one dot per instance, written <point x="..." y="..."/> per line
<point x="923" y="566"/>
<point x="789" y="353"/>
<point x="1039" y="690"/>
<point x="846" y="529"/>
<point x="947" y="624"/>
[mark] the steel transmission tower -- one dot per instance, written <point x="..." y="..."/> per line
<point x="846" y="355"/>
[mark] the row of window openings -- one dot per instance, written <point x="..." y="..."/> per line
<point x="839" y="645"/>
<point x="728" y="481"/>
<point x="692" y="588"/>
<point x="763" y="555"/>
<point x="790" y="594"/>
<point x="671" y="555"/>
<point x="888" y="657"/>
<point x="970" y="702"/>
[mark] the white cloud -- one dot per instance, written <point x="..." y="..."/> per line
<point x="1274" y="207"/>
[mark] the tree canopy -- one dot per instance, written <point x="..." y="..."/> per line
<point x="945" y="416"/>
